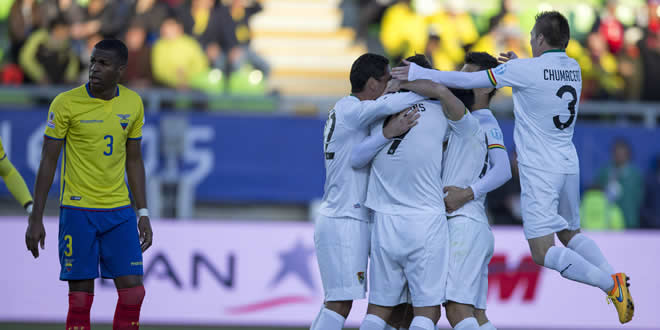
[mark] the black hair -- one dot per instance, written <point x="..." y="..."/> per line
<point x="420" y="60"/>
<point x="554" y="28"/>
<point x="367" y="66"/>
<point x="59" y="20"/>
<point x="465" y="95"/>
<point x="115" y="46"/>
<point x="484" y="61"/>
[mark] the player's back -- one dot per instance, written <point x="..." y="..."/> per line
<point x="546" y="106"/>
<point x="345" y="187"/>
<point x="405" y="174"/>
<point x="465" y="161"/>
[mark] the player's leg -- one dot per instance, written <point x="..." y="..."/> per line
<point x="569" y="209"/>
<point x="388" y="283"/>
<point x="401" y="317"/>
<point x="342" y="249"/>
<point x="461" y="316"/>
<point x="482" y="319"/>
<point x="121" y="260"/>
<point x="78" y="253"/>
<point x="573" y="239"/>
<point x="540" y="193"/>
<point x="426" y="266"/>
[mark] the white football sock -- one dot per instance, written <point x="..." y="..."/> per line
<point x="487" y="326"/>
<point x="572" y="266"/>
<point x="469" y="323"/>
<point x="422" y="323"/>
<point x="328" y="320"/>
<point x="588" y="249"/>
<point x="373" y="322"/>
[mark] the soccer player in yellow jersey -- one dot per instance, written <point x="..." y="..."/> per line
<point x="14" y="181"/>
<point x="100" y="126"/>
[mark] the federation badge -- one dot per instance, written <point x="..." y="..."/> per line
<point x="360" y="276"/>
<point x="51" y="120"/>
<point x="123" y="121"/>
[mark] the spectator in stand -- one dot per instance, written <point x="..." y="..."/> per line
<point x="650" y="214"/>
<point x="622" y="182"/>
<point x="610" y="28"/>
<point x="506" y="16"/>
<point x="398" y="21"/>
<point x="601" y="80"/>
<point x="630" y="65"/>
<point x="598" y="213"/>
<point x="241" y="12"/>
<point x="504" y="202"/>
<point x="649" y="49"/>
<point x="177" y="58"/>
<point x="215" y="30"/>
<point x="24" y="18"/>
<point x="69" y="10"/>
<point x="138" y="68"/>
<point x="370" y="12"/>
<point x="105" y="17"/>
<point x="439" y="59"/>
<point x="151" y="14"/>
<point x="46" y="57"/>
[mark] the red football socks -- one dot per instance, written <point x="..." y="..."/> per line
<point x="80" y="303"/>
<point x="127" y="314"/>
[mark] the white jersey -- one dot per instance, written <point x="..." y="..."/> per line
<point x="546" y="97"/>
<point x="465" y="161"/>
<point x="405" y="174"/>
<point x="347" y="125"/>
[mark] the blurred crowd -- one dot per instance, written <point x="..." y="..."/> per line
<point x="181" y="44"/>
<point x="617" y="44"/>
<point x="621" y="196"/>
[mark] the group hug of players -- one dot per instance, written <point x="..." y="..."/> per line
<point x="410" y="156"/>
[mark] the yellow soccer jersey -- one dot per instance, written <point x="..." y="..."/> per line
<point x="2" y="151"/>
<point x="95" y="132"/>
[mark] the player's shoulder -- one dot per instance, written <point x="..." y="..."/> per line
<point x="61" y="101"/>
<point x="127" y="93"/>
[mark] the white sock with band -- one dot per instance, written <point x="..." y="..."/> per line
<point x="588" y="249"/>
<point x="469" y="323"/>
<point x="329" y="320"/>
<point x="487" y="326"/>
<point x="372" y="322"/>
<point x="574" y="267"/>
<point x="422" y="323"/>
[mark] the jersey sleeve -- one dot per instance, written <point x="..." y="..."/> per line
<point x="136" y="127"/>
<point x="365" y="151"/>
<point x="513" y="73"/>
<point x="497" y="175"/>
<point x="372" y="110"/>
<point x="466" y="126"/>
<point x="57" y="124"/>
<point x="452" y="79"/>
<point x="495" y="137"/>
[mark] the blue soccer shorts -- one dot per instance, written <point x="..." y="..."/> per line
<point x="90" y="238"/>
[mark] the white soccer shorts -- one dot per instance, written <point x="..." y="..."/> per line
<point x="342" y="252"/>
<point x="550" y="202"/>
<point x="470" y="250"/>
<point x="412" y="250"/>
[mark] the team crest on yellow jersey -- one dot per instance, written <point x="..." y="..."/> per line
<point x="123" y="120"/>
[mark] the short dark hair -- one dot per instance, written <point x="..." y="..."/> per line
<point x="367" y="66"/>
<point x="115" y="46"/>
<point x="465" y="95"/>
<point x="484" y="61"/>
<point x="554" y="28"/>
<point x="59" y="20"/>
<point x="420" y="60"/>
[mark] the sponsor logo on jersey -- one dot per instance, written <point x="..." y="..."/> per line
<point x="123" y="120"/>
<point x="357" y="206"/>
<point x="51" y="120"/>
<point x="76" y="198"/>
<point x="92" y="121"/>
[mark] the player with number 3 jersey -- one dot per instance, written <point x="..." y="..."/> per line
<point x="546" y="92"/>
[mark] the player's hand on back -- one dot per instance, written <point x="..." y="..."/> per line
<point x="35" y="235"/>
<point x="146" y="235"/>
<point x="401" y="123"/>
<point x="457" y="197"/>
<point x="401" y="72"/>
<point x="393" y="86"/>
<point x="505" y="57"/>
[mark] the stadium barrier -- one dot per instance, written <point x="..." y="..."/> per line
<point x="258" y="273"/>
<point x="234" y="158"/>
